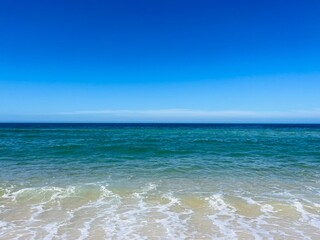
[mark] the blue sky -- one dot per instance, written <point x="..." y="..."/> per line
<point x="160" y="61"/>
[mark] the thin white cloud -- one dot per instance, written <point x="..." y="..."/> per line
<point x="198" y="114"/>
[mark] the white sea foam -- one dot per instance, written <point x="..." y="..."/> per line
<point x="232" y="224"/>
<point x="307" y="217"/>
<point x="173" y="223"/>
<point x="95" y="210"/>
<point x="223" y="216"/>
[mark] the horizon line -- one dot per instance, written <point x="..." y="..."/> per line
<point x="168" y="123"/>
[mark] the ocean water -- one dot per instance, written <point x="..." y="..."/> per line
<point x="159" y="181"/>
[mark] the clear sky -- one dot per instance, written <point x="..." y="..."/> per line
<point x="160" y="61"/>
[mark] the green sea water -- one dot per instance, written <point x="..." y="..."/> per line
<point x="159" y="181"/>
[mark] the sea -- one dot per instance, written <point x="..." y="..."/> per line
<point x="159" y="181"/>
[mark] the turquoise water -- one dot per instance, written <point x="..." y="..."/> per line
<point x="182" y="181"/>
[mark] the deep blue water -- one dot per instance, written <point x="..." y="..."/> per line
<point x="67" y="152"/>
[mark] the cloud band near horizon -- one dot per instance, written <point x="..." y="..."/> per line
<point x="197" y="114"/>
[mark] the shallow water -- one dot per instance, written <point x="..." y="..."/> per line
<point x="147" y="181"/>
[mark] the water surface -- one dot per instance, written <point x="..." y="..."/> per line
<point x="159" y="181"/>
